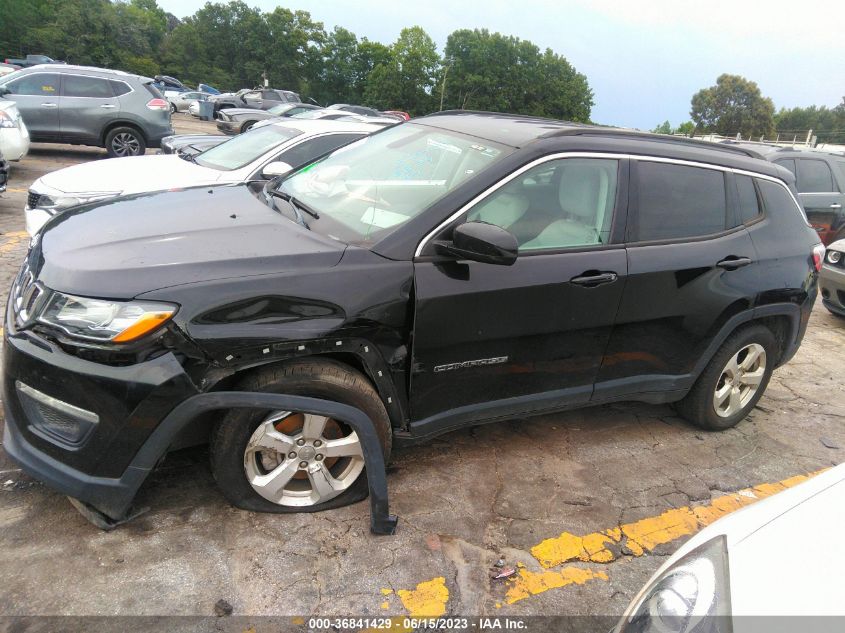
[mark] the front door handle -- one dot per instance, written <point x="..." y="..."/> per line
<point x="836" y="205"/>
<point x="49" y="105"/>
<point x="591" y="280"/>
<point x="732" y="262"/>
<point x="108" y="106"/>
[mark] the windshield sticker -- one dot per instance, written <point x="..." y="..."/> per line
<point x="382" y="218"/>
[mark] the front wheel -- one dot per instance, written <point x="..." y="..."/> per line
<point x="125" y="141"/>
<point x="289" y="461"/>
<point x="246" y="127"/>
<point x="733" y="381"/>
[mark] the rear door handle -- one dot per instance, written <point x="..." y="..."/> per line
<point x="108" y="106"/>
<point x="732" y="263"/>
<point x="835" y="206"/>
<point x="593" y="280"/>
<point x="49" y="105"/>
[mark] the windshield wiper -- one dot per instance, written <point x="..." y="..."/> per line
<point x="269" y="194"/>
<point x="295" y="202"/>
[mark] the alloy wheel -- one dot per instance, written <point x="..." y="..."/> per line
<point x="740" y="380"/>
<point x="300" y="459"/>
<point x="125" y="144"/>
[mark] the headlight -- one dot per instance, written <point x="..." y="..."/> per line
<point x="692" y="595"/>
<point x="834" y="256"/>
<point x="105" y="321"/>
<point x="53" y="204"/>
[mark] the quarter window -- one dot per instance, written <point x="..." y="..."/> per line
<point x="789" y="163"/>
<point x="560" y="204"/>
<point x="78" y="86"/>
<point x="677" y="201"/>
<point x="814" y="177"/>
<point x="119" y="87"/>
<point x="749" y="206"/>
<point x="39" y="84"/>
<point x="777" y="197"/>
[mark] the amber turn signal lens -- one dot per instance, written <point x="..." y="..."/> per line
<point x="142" y="326"/>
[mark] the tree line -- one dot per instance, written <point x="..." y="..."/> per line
<point x="230" y="45"/>
<point x="735" y="105"/>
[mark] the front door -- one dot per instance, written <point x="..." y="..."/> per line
<point x="493" y="341"/>
<point x="37" y="98"/>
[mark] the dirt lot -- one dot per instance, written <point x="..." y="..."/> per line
<point x="524" y="491"/>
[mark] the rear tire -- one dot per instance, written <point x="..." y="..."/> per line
<point x="125" y="141"/>
<point x="733" y="381"/>
<point x="172" y="108"/>
<point x="239" y="467"/>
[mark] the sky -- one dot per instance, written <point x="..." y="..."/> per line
<point x="644" y="59"/>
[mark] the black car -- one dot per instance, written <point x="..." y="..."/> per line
<point x="457" y="269"/>
<point x="238" y="120"/>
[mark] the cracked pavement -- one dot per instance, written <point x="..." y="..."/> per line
<point x="464" y="501"/>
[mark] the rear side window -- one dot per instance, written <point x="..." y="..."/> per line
<point x="38" y="84"/>
<point x="788" y="163"/>
<point x="119" y="88"/>
<point x="814" y="176"/>
<point x="676" y="201"/>
<point x="749" y="205"/>
<point x="93" y="87"/>
<point x="776" y="198"/>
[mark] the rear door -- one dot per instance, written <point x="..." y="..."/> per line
<point x="37" y="98"/>
<point x="495" y="340"/>
<point x="820" y="195"/>
<point x="691" y="267"/>
<point x="253" y="99"/>
<point x="86" y="107"/>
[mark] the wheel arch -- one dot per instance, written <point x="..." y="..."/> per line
<point x="121" y="123"/>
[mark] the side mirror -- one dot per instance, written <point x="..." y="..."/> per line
<point x="482" y="242"/>
<point x="4" y="91"/>
<point x="275" y="169"/>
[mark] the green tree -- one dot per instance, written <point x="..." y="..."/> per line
<point x="734" y="105"/>
<point x="827" y="124"/>
<point x="687" y="128"/>
<point x="405" y="80"/>
<point x="663" y="128"/>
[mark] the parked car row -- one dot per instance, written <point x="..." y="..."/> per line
<point x="31" y="60"/>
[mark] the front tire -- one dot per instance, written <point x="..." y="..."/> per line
<point x="246" y="127"/>
<point x="733" y="381"/>
<point x="125" y="141"/>
<point x="280" y="461"/>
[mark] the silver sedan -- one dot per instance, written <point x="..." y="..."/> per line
<point x="181" y="101"/>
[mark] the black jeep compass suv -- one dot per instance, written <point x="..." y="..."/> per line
<point x="460" y="268"/>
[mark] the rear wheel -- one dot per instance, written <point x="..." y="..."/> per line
<point x="733" y="381"/>
<point x="289" y="461"/>
<point x="173" y="108"/>
<point x="125" y="141"/>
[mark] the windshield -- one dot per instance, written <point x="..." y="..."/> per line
<point x="282" y="108"/>
<point x="246" y="147"/>
<point x="366" y="190"/>
<point x="312" y="114"/>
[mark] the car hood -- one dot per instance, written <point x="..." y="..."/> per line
<point x="123" y="247"/>
<point x="131" y="174"/>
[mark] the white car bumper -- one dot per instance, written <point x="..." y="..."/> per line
<point x="35" y="219"/>
<point x="14" y="141"/>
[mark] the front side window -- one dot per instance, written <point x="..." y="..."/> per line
<point x="814" y="177"/>
<point x="677" y="201"/>
<point x="245" y="148"/>
<point x="94" y="87"/>
<point x="368" y="189"/>
<point x="313" y="148"/>
<point x="564" y="203"/>
<point x="38" y="84"/>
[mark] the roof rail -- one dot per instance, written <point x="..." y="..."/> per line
<point x="659" y="138"/>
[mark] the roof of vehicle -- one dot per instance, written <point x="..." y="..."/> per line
<point x="519" y="131"/>
<point x="64" y="68"/>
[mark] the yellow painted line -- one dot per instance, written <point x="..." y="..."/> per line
<point x="645" y="535"/>
<point x="15" y="190"/>
<point x="429" y="599"/>
<point x="12" y="240"/>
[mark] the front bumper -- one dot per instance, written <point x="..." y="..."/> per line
<point x="129" y="403"/>
<point x="4" y="175"/>
<point x="832" y="287"/>
<point x="229" y="127"/>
